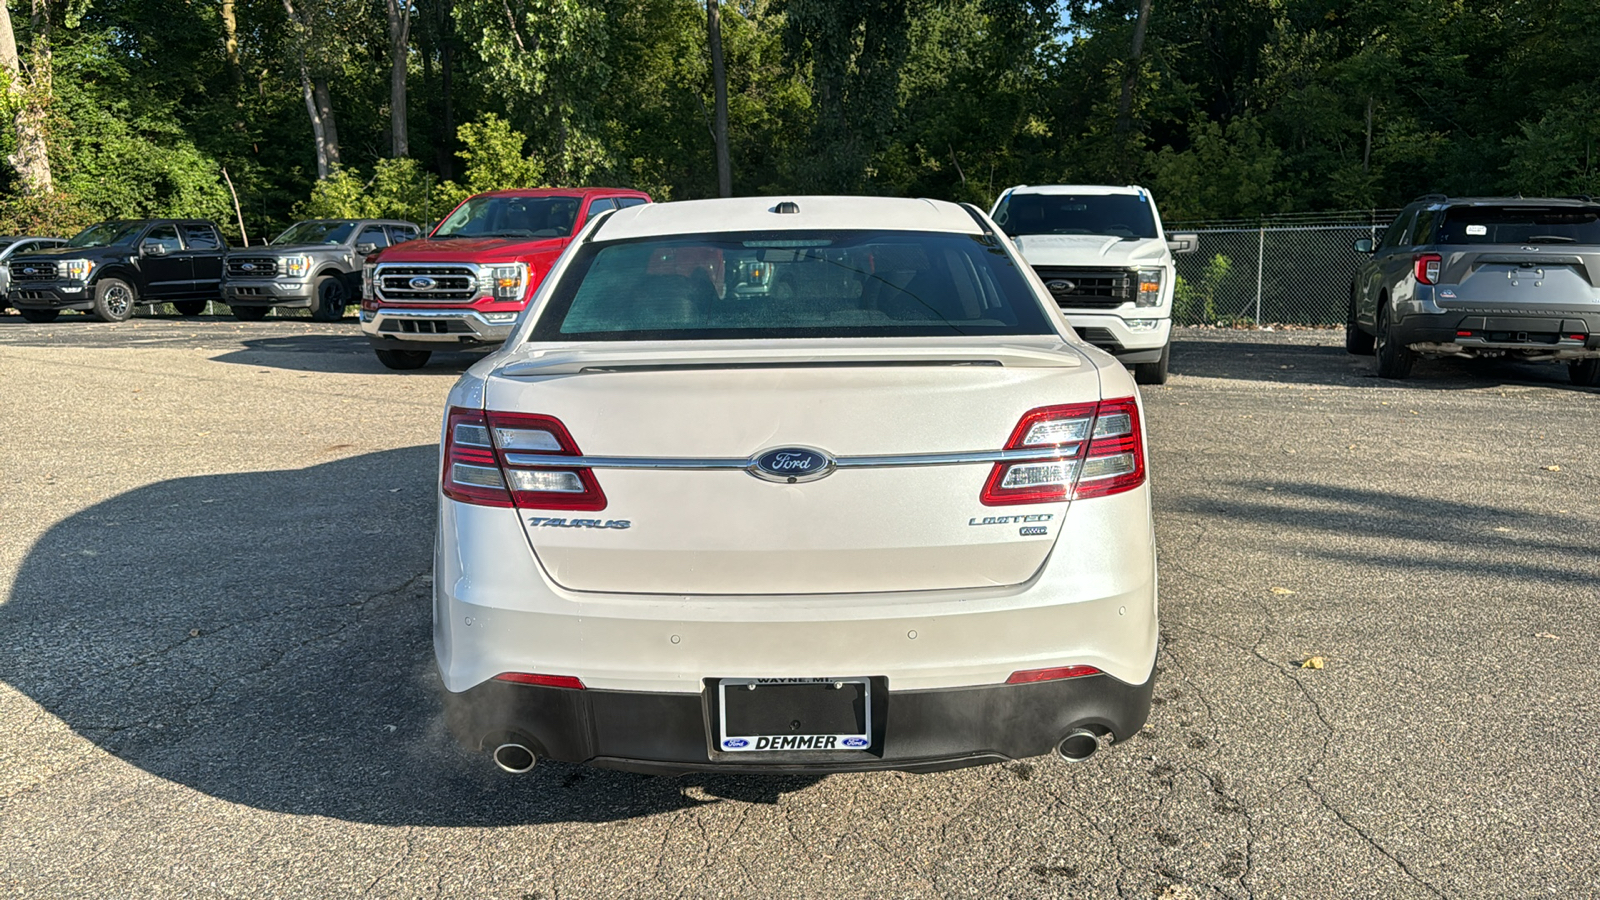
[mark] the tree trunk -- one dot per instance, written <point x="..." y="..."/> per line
<point x="230" y="40"/>
<point x="399" y="12"/>
<point x="32" y="158"/>
<point x="719" y="87"/>
<point x="330" y="130"/>
<point x="317" y="134"/>
<point x="1129" y="81"/>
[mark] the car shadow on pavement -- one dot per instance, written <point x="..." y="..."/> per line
<point x="1302" y="363"/>
<point x="344" y="354"/>
<point x="265" y="638"/>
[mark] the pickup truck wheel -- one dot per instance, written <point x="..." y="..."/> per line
<point x="402" y="360"/>
<point x="330" y="300"/>
<point x="251" y="313"/>
<point x="1585" y="372"/>
<point x="1356" y="341"/>
<point x="39" y="316"/>
<point x="1394" y="359"/>
<point x="113" y="300"/>
<point x="189" y="307"/>
<point x="1156" y="372"/>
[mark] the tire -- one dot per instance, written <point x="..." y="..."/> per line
<point x="189" y="308"/>
<point x="1156" y="372"/>
<point x="250" y="313"/>
<point x="38" y="316"/>
<point x="1356" y="341"/>
<point x="402" y="360"/>
<point x="114" y="300"/>
<point x="329" y="299"/>
<point x="1585" y="372"/>
<point x="1394" y="360"/>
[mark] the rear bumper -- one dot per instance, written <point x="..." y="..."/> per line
<point x="288" y="294"/>
<point x="919" y="731"/>
<point x="394" y="326"/>
<point x="55" y="295"/>
<point x="1557" y="333"/>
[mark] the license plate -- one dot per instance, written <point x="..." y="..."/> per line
<point x="794" y="714"/>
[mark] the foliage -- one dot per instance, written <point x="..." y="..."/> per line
<point x="1239" y="107"/>
<point x="1195" y="303"/>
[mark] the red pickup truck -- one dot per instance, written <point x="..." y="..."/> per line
<point x="462" y="287"/>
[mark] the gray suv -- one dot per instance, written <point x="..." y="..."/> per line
<point x="1482" y="277"/>
<point x="315" y="265"/>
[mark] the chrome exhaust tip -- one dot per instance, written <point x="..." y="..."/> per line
<point x="514" y="758"/>
<point x="1078" y="746"/>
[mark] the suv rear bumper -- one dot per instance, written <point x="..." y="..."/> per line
<point x="1559" y="332"/>
<point x="288" y="294"/>
<point x="395" y="326"/>
<point x="53" y="295"/>
<point x="919" y="731"/>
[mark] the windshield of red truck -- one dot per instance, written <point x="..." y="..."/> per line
<point x="525" y="217"/>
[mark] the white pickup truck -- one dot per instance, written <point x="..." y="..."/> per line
<point x="1102" y="253"/>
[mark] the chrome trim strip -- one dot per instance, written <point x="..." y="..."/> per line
<point x="973" y="457"/>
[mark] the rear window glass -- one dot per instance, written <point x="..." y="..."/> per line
<point x="791" y="284"/>
<point x="1113" y="215"/>
<point x="1520" y="225"/>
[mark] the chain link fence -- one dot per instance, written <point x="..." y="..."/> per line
<point x="1289" y="270"/>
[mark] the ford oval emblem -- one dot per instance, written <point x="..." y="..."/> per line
<point x="792" y="464"/>
<point x="30" y="271"/>
<point x="422" y="283"/>
<point x="248" y="267"/>
<point x="735" y="743"/>
<point x="855" y="742"/>
<point x="1060" y="286"/>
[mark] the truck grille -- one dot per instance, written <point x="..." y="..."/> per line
<point x="405" y="283"/>
<point x="33" y="271"/>
<point x="1084" y="288"/>
<point x="252" y="267"/>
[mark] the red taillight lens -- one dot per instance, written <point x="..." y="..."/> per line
<point x="560" y="681"/>
<point x="1427" y="268"/>
<point x="1105" y="454"/>
<point x="1032" y="676"/>
<point x="484" y="463"/>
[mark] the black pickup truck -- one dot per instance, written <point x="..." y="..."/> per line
<point x="315" y="265"/>
<point x="111" y="268"/>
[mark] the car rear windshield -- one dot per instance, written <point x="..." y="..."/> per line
<point x="791" y="284"/>
<point x="316" y="233"/>
<point x="535" y="217"/>
<point x="1113" y="215"/>
<point x="107" y="234"/>
<point x="1520" y="225"/>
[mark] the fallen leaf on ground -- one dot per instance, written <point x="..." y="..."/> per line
<point x="1551" y="468"/>
<point x="1315" y="662"/>
<point x="1547" y="636"/>
<point x="1281" y="590"/>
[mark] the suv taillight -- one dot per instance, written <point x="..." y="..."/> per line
<point x="1099" y="447"/>
<point x="1427" y="268"/>
<point x="478" y="468"/>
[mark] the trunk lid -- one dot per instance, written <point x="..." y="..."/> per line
<point x="723" y="531"/>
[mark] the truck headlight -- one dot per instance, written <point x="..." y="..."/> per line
<point x="295" y="266"/>
<point x="1149" y="288"/>
<point x="505" y="282"/>
<point x="78" y="269"/>
<point x="366" y="281"/>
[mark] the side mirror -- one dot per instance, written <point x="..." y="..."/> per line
<point x="1183" y="243"/>
<point x="1363" y="245"/>
<point x="366" y="249"/>
<point x="153" y="248"/>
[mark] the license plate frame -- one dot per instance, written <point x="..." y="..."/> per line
<point x="752" y="727"/>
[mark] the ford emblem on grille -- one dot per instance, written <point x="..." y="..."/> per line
<point x="1060" y="287"/>
<point x="422" y="283"/>
<point x="30" y="271"/>
<point x="248" y="267"/>
<point x="791" y="464"/>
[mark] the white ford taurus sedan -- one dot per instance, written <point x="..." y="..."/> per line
<point x="803" y="484"/>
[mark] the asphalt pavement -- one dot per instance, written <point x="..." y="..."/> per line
<point x="1377" y="674"/>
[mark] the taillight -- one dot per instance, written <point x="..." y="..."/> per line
<point x="1097" y="452"/>
<point x="1427" y="268"/>
<point x="478" y="450"/>
<point x="1033" y="676"/>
